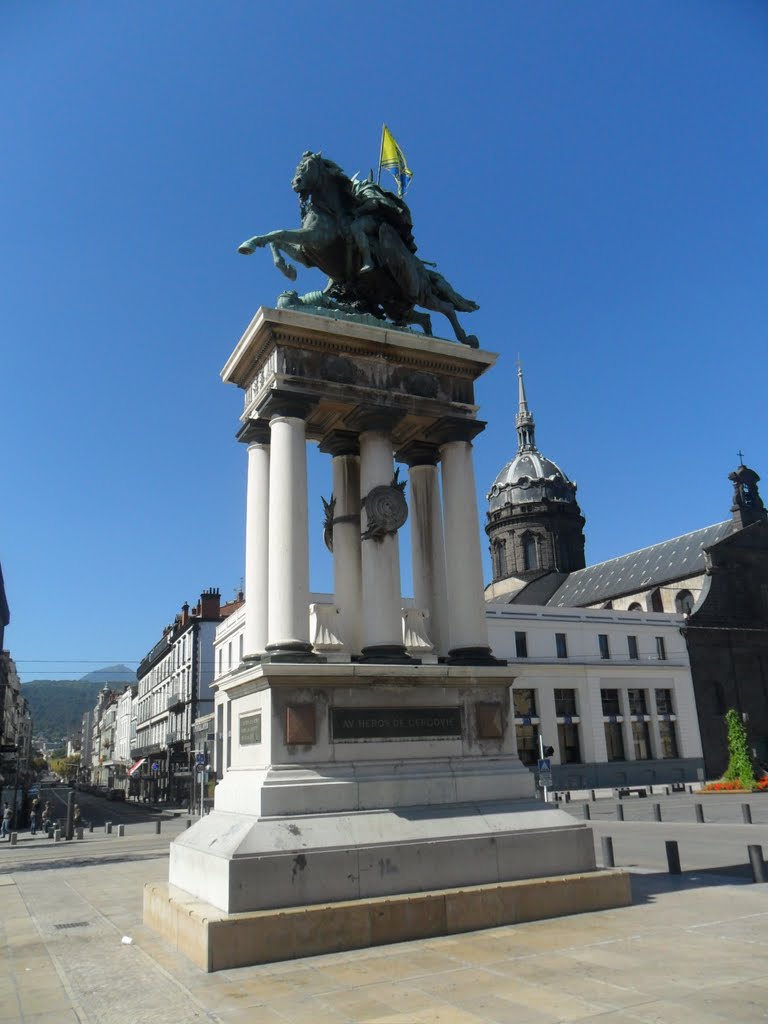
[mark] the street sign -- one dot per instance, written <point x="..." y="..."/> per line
<point x="545" y="779"/>
<point x="155" y="766"/>
<point x="199" y="758"/>
<point x="545" y="765"/>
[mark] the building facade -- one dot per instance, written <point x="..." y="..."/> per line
<point x="611" y="693"/>
<point x="174" y="688"/>
<point x="715" y="578"/>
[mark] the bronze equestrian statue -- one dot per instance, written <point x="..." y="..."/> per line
<point x="361" y="236"/>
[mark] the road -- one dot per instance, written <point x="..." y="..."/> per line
<point x="97" y="809"/>
<point x="719" y="844"/>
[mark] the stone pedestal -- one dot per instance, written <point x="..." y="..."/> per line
<point x="355" y="771"/>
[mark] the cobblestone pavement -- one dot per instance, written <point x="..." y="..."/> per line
<point x="692" y="949"/>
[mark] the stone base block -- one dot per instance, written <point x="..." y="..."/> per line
<point x="240" y="863"/>
<point x="215" y="941"/>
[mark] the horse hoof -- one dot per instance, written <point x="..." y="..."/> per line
<point x="365" y="269"/>
<point x="472" y="341"/>
<point x="245" y="249"/>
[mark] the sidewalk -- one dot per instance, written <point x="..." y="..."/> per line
<point x="692" y="949"/>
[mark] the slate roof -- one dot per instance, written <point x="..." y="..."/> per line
<point x="640" y="570"/>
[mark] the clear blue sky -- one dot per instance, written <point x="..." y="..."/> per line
<point x="594" y="174"/>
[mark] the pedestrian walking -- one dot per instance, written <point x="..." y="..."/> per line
<point x="5" y="827"/>
<point x="34" y="815"/>
<point x="46" y="815"/>
<point x="77" y="821"/>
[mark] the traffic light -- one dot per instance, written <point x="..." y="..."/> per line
<point x="548" y="751"/>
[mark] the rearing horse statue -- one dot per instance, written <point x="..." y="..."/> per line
<point x="361" y="236"/>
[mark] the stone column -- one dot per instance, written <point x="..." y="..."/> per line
<point x="288" y="618"/>
<point x="466" y="599"/>
<point x="347" y="559"/>
<point x="382" y="611"/>
<point x="430" y="587"/>
<point x="256" y="434"/>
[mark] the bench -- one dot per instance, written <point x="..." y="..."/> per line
<point x="629" y="790"/>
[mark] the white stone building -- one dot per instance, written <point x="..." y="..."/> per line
<point x="611" y="693"/>
<point x="174" y="688"/>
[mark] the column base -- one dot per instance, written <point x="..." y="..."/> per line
<point x="290" y="652"/>
<point x="386" y="654"/>
<point x="473" y="656"/>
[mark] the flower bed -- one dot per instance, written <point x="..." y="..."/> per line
<point x="734" y="786"/>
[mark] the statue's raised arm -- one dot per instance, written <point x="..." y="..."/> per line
<point x="361" y="236"/>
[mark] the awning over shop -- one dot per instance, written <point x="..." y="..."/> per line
<point x="135" y="767"/>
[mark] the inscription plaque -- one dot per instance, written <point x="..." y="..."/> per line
<point x="395" y="723"/>
<point x="250" y="729"/>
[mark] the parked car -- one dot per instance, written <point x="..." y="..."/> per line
<point x="116" y="794"/>
<point x="101" y="790"/>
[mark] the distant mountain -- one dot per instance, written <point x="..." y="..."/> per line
<point x="58" y="705"/>
<point x="117" y="676"/>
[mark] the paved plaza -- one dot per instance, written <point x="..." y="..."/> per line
<point x="692" y="948"/>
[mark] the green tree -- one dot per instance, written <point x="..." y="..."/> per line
<point x="739" y="761"/>
<point x="64" y="766"/>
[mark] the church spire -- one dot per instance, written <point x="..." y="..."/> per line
<point x="526" y="437"/>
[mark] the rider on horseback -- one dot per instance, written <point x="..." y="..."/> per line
<point x="372" y="206"/>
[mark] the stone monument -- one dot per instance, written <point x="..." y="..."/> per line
<point x="370" y="789"/>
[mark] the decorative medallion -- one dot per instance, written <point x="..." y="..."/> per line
<point x="386" y="509"/>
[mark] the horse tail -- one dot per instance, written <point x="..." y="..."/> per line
<point x="445" y="291"/>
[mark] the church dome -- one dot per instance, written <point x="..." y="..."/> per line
<point x="529" y="476"/>
<point x="535" y="525"/>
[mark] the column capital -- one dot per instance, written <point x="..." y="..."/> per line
<point x="253" y="431"/>
<point x="454" y="428"/>
<point x="418" y="453"/>
<point x="285" y="403"/>
<point x="365" y="418"/>
<point x="340" y="442"/>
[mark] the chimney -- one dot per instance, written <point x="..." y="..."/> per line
<point x="185" y="613"/>
<point x="210" y="604"/>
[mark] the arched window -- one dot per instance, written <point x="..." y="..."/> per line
<point x="501" y="558"/>
<point x="530" y="552"/>
<point x="657" y="604"/>
<point x="684" y="602"/>
<point x="635" y="607"/>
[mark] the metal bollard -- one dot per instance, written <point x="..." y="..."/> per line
<point x="619" y="812"/>
<point x="673" y="857"/>
<point x="666" y="791"/>
<point x="746" y="813"/>
<point x="699" y="812"/>
<point x="90" y="827"/>
<point x="108" y="828"/>
<point x="14" y="837"/>
<point x="607" y="845"/>
<point x="57" y="835"/>
<point x="189" y="823"/>
<point x="79" y="832"/>
<point x="592" y="795"/>
<point x="657" y="812"/>
<point x="757" y="863"/>
<point x="157" y="827"/>
<point x="121" y="830"/>
<point x="587" y="812"/>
